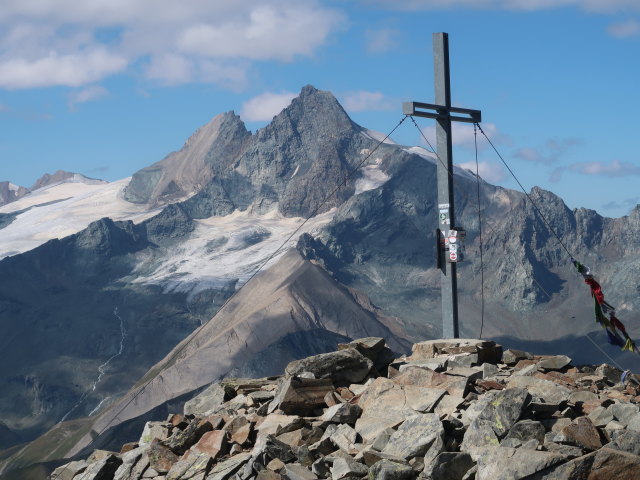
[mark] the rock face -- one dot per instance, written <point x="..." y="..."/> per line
<point x="228" y="168"/>
<point x="527" y="442"/>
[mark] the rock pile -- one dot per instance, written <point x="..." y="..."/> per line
<point x="453" y="410"/>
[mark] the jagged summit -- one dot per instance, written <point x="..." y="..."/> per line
<point x="231" y="168"/>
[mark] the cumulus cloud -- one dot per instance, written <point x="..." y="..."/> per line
<point x="550" y="153"/>
<point x="628" y="28"/>
<point x="489" y="171"/>
<point x="88" y="94"/>
<point x="76" y="43"/>
<point x="265" y="106"/>
<point x="381" y="40"/>
<point x="598" y="6"/>
<point x="462" y="135"/>
<point x="364" y="101"/>
<point x="54" y="69"/>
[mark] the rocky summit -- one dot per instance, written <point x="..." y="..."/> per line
<point x="452" y="410"/>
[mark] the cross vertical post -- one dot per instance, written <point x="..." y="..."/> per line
<point x="441" y="112"/>
<point x="448" y="271"/>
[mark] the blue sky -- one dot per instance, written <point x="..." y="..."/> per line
<point x="107" y="87"/>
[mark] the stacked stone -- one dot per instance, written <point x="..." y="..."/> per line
<point x="453" y="410"/>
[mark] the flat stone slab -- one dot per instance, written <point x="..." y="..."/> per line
<point x="414" y="437"/>
<point x="510" y="463"/>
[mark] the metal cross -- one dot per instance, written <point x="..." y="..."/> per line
<point x="441" y="112"/>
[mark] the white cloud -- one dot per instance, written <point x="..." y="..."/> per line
<point x="381" y="40"/>
<point x="462" y="135"/>
<point x="363" y="101"/>
<point x="265" y="106"/>
<point x="599" y="6"/>
<point x="77" y="42"/>
<point x="87" y="94"/>
<point x="628" y="28"/>
<point x="52" y="70"/>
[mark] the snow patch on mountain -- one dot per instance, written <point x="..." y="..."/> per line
<point x="63" y="209"/>
<point x="223" y="250"/>
<point x="372" y="177"/>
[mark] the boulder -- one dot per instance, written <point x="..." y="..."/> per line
<point x="389" y="470"/>
<point x="487" y="350"/>
<point x="161" y="458"/>
<point x="342" y="367"/>
<point x="342" y="413"/>
<point x="625" y="441"/>
<point x="546" y="390"/>
<point x="501" y="409"/>
<point x="524" y="431"/>
<point x="225" y="469"/>
<point x="581" y="433"/>
<point x="623" y="412"/>
<point x="415" y="436"/>
<point x="448" y="466"/>
<point x="101" y="470"/>
<point x="301" y="396"/>
<point x="193" y="467"/>
<point x="154" y="430"/>
<point x="134" y="462"/>
<point x="511" y="356"/>
<point x="344" y="468"/>
<point x="295" y="471"/>
<point x="209" y="399"/>
<point x="69" y="470"/>
<point x="554" y="362"/>
<point x="510" y="463"/>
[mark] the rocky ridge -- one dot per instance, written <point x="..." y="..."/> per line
<point x="453" y="410"/>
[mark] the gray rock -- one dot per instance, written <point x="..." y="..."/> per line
<point x="159" y="430"/>
<point x="69" y="470"/>
<point x="195" y="467"/>
<point x="600" y="416"/>
<point x="502" y="409"/>
<point x="225" y="469"/>
<point x="526" y="430"/>
<point x="582" y="396"/>
<point x="612" y="374"/>
<point x="489" y="370"/>
<point x="511" y="356"/>
<point x="295" y="471"/>
<point x="549" y="391"/>
<point x="342" y="413"/>
<point x="134" y="462"/>
<point x="297" y="395"/>
<point x="344" y="468"/>
<point x="342" y="436"/>
<point x="634" y="423"/>
<point x="626" y="441"/>
<point x="479" y="435"/>
<point x="389" y="470"/>
<point x="415" y="436"/>
<point x="555" y="362"/>
<point x="382" y="439"/>
<point x="449" y="466"/>
<point x="101" y="470"/>
<point x="508" y="464"/>
<point x="623" y="412"/>
<point x="342" y="367"/>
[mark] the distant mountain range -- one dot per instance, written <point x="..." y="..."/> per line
<point x="105" y="286"/>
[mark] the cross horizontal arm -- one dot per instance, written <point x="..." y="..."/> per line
<point x="417" y="109"/>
